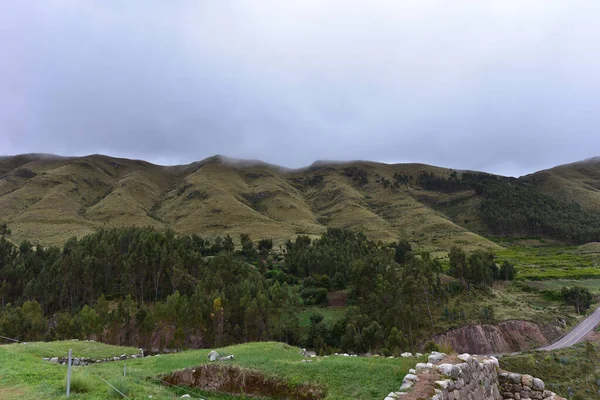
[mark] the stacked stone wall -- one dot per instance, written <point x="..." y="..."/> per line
<point x="467" y="377"/>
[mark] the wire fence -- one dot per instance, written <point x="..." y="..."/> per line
<point x="131" y="376"/>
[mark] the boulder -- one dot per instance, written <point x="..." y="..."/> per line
<point x="213" y="356"/>
<point x="435" y="357"/>
<point x="527" y="380"/>
<point x="407" y="354"/>
<point x="538" y="384"/>
<point x="423" y="366"/>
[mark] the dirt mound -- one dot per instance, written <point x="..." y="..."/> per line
<point x="235" y="380"/>
<point x="506" y="337"/>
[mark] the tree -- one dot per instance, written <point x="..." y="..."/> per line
<point x="578" y="297"/>
<point x="458" y="263"/>
<point x="507" y="271"/>
<point x="90" y="322"/>
<point x="402" y="251"/>
<point x="218" y="317"/>
<point x="264" y="247"/>
<point x="248" y="250"/>
<point x="317" y="333"/>
<point x="396" y="342"/>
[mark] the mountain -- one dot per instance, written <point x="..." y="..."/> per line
<point x="49" y="198"/>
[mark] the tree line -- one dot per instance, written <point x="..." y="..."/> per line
<point x="139" y="286"/>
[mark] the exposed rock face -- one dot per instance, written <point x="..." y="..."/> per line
<point x="506" y="337"/>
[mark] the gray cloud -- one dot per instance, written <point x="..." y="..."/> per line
<point x="508" y="87"/>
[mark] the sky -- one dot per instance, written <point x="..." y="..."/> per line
<point x="508" y="87"/>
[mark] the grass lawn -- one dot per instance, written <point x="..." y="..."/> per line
<point x="24" y="375"/>
<point x="330" y="315"/>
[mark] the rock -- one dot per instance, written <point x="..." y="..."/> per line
<point x="307" y="361"/>
<point x="538" y="384"/>
<point x="225" y="358"/>
<point x="54" y="360"/>
<point x="527" y="380"/>
<point x="412" y="371"/>
<point x="185" y="396"/>
<point x="213" y="356"/>
<point x="418" y="355"/>
<point x="450" y="370"/>
<point x="423" y="367"/>
<point x="466" y="358"/>
<point x="514" y="378"/>
<point x="443" y="384"/>
<point x="435" y="357"/>
<point x="411" y="377"/>
<point x="407" y="354"/>
<point x="407" y="385"/>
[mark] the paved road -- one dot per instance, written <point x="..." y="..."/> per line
<point x="577" y="333"/>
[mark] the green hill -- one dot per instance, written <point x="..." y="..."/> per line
<point x="48" y="199"/>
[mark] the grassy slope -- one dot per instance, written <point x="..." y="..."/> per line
<point x="578" y="182"/>
<point x="26" y="376"/>
<point x="572" y="370"/>
<point x="51" y="199"/>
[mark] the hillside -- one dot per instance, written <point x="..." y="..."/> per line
<point x="48" y="199"/>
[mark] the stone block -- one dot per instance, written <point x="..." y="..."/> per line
<point x="538" y="384"/>
<point x="514" y="378"/>
<point x="527" y="380"/>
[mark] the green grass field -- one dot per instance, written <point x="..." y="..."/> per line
<point x="593" y="285"/>
<point x="551" y="262"/>
<point x="330" y="315"/>
<point x="24" y="375"/>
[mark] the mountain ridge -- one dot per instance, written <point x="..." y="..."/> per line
<point x="50" y="198"/>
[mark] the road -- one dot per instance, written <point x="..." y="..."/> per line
<point x="576" y="333"/>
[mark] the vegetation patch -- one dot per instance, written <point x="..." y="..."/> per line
<point x="572" y="372"/>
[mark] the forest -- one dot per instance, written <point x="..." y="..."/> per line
<point x="511" y="207"/>
<point x="154" y="289"/>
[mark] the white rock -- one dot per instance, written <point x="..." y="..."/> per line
<point x="411" y="377"/>
<point x="412" y="371"/>
<point x="423" y="366"/>
<point x="465" y="357"/>
<point x="407" y="354"/>
<point x="450" y="370"/>
<point x="435" y="357"/>
<point x="406" y="385"/>
<point x="185" y="396"/>
<point x="442" y="384"/>
<point x="213" y="356"/>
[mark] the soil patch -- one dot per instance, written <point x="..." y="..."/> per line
<point x="337" y="299"/>
<point x="235" y="380"/>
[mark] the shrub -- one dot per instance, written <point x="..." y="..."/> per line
<point x="430" y="346"/>
<point x="80" y="383"/>
<point x="446" y="347"/>
<point x="122" y="386"/>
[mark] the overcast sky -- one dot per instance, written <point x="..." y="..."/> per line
<point x="510" y="86"/>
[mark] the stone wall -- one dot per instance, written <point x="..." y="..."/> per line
<point x="467" y="377"/>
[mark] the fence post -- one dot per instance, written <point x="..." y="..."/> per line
<point x="124" y="369"/>
<point x="69" y="374"/>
